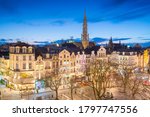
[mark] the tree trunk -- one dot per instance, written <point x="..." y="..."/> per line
<point x="56" y="94"/>
<point x="71" y="94"/>
<point x="124" y="88"/>
<point x="94" y="92"/>
<point x="133" y="96"/>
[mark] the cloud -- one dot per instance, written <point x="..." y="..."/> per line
<point x="58" y="22"/>
<point x="97" y="10"/>
<point x="133" y="14"/>
<point x="121" y="10"/>
<point x="146" y="39"/>
<point x="121" y="39"/>
<point x="99" y="39"/>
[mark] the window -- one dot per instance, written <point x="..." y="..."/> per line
<point x="99" y="54"/>
<point x="64" y="56"/>
<point x="60" y="62"/>
<point x="30" y="58"/>
<point x="53" y="64"/>
<point x="57" y="64"/>
<point x="17" y="66"/>
<point x="11" y="49"/>
<point x="30" y="65"/>
<point x="47" y="55"/>
<point x="24" y="58"/>
<point x="30" y="50"/>
<point x="24" y="50"/>
<point x="17" y="58"/>
<point x="24" y="66"/>
<point x="17" y="49"/>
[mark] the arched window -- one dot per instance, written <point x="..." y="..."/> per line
<point x="17" y="49"/>
<point x="29" y="49"/>
<point x="24" y="49"/>
<point x="11" y="49"/>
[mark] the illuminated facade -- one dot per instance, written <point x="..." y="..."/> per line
<point x="21" y="59"/>
<point x="127" y="59"/>
<point x="27" y="66"/>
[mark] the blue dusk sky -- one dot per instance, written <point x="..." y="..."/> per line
<point x="49" y="20"/>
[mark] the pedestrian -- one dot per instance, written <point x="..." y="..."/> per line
<point x="37" y="90"/>
<point x="112" y="95"/>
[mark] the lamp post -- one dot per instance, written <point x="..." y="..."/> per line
<point x="20" y="91"/>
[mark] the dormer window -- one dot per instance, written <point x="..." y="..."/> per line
<point x="17" y="49"/>
<point x="24" y="50"/>
<point x="11" y="49"/>
<point x="47" y="55"/>
<point x="92" y="52"/>
<point x="30" y="50"/>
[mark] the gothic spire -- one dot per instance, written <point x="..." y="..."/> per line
<point x="85" y="35"/>
<point x="85" y="24"/>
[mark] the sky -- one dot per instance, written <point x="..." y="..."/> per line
<point x="49" y="20"/>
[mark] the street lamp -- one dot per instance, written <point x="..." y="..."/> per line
<point x="20" y="87"/>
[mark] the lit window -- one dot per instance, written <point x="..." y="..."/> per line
<point x="24" y="58"/>
<point x="24" y="66"/>
<point x="17" y="66"/>
<point x="30" y="65"/>
<point x="60" y="62"/>
<point x="30" y="58"/>
<point x="53" y="64"/>
<point x="17" y="49"/>
<point x="17" y="58"/>
<point x="24" y="50"/>
<point x="30" y="50"/>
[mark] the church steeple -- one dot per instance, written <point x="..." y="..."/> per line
<point x="85" y="35"/>
<point x="110" y="44"/>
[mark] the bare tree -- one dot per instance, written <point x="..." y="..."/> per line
<point x="54" y="82"/>
<point x="125" y="75"/>
<point x="138" y="88"/>
<point x="135" y="87"/>
<point x="98" y="72"/>
<point x="71" y="84"/>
